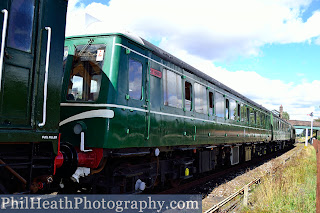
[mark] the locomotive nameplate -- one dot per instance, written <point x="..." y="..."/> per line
<point x="49" y="137"/>
<point x="155" y="73"/>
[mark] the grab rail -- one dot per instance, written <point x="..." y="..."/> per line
<point x="45" y="86"/>
<point x="3" y="40"/>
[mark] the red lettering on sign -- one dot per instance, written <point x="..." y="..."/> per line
<point x="155" y="73"/>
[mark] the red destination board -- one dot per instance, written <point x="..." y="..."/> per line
<point x="155" y="73"/>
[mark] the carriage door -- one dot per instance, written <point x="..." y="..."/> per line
<point x="137" y="97"/>
<point x="17" y="22"/>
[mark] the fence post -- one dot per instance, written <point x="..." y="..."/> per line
<point x="307" y="135"/>
<point x="316" y="145"/>
<point x="245" y="195"/>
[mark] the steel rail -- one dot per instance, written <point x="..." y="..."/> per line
<point x="217" y="207"/>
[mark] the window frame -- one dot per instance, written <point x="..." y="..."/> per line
<point x="212" y="102"/>
<point x="238" y="111"/>
<point x="165" y="90"/>
<point x="141" y="86"/>
<point x="203" y="98"/>
<point x="191" y="97"/>
<point x="227" y="108"/>
<point x="216" y="106"/>
<point x="74" y="53"/>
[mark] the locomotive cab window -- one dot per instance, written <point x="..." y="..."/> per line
<point x="135" y="79"/>
<point x="86" y="72"/>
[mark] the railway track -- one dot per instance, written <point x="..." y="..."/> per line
<point x="232" y="202"/>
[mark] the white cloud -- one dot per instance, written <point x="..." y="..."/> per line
<point x="213" y="30"/>
<point x="317" y="41"/>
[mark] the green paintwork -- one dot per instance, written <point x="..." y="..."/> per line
<point x="21" y="96"/>
<point x="146" y="122"/>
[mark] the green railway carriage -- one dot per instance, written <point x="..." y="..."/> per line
<point x="32" y="36"/>
<point x="148" y="114"/>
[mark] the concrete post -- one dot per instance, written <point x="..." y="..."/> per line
<point x="245" y="195"/>
<point x="307" y="134"/>
<point x="311" y="128"/>
<point x="316" y="145"/>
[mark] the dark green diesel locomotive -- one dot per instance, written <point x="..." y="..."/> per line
<point x="32" y="36"/>
<point x="134" y="117"/>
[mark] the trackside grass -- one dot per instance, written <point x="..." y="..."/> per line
<point x="290" y="189"/>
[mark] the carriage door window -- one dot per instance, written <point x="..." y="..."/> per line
<point x="135" y="79"/>
<point x="85" y="76"/>
<point x="20" y="24"/>
<point x="211" y="111"/>
<point x="227" y="109"/>
<point x="238" y="112"/>
<point x="188" y="96"/>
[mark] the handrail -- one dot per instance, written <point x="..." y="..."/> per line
<point x="3" y="40"/>
<point x="45" y="86"/>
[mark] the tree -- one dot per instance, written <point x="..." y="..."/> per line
<point x="286" y="116"/>
<point x="317" y="120"/>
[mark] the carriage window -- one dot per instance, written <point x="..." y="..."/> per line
<point x="211" y="111"/>
<point x="233" y="109"/>
<point x="188" y="96"/>
<point x="258" y="118"/>
<point x="172" y="89"/>
<point x="85" y="77"/>
<point x="243" y="113"/>
<point x="200" y="94"/>
<point x="135" y="79"/>
<point x="263" y="120"/>
<point x="20" y="27"/>
<point x="219" y="104"/>
<point x="252" y="116"/>
<point x="227" y="108"/>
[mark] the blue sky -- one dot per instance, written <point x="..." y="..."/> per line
<point x="289" y="62"/>
<point x="268" y="50"/>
